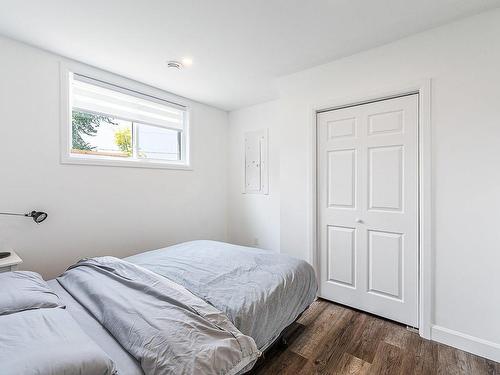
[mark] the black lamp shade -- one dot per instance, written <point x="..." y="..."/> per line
<point x="37" y="216"/>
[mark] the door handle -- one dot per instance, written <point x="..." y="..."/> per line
<point x="359" y="221"/>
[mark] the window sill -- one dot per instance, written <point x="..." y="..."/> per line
<point x="125" y="163"/>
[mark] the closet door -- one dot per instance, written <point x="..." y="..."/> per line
<point x="368" y="207"/>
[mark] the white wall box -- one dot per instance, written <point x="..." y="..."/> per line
<point x="256" y="177"/>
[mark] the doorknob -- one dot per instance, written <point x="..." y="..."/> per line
<point x="359" y="221"/>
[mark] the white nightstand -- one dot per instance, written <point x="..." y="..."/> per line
<point x="10" y="263"/>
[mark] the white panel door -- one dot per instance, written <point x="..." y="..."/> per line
<point x="368" y="207"/>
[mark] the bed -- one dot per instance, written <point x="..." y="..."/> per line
<point x="249" y="286"/>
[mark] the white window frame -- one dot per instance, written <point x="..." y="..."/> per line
<point x="121" y="84"/>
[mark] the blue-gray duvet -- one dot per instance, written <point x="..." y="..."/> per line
<point x="260" y="291"/>
<point x="165" y="327"/>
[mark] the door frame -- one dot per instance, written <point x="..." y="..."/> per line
<point x="425" y="235"/>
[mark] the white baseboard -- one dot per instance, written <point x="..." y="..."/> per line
<point x="471" y="344"/>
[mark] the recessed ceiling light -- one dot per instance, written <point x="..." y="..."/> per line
<point x="174" y="64"/>
<point x="187" y="61"/>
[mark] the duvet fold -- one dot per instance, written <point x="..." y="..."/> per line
<point x="164" y="326"/>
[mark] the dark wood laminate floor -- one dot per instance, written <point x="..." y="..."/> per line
<point x="333" y="339"/>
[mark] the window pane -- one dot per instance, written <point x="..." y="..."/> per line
<point x="100" y="135"/>
<point x="158" y="143"/>
<point x="111" y="122"/>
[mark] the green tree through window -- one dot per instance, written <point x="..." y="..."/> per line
<point x="123" y="139"/>
<point x="87" y="124"/>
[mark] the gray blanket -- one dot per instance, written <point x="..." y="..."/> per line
<point x="261" y="292"/>
<point x="164" y="326"/>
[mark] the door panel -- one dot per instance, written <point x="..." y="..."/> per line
<point x="385" y="254"/>
<point x="388" y="122"/>
<point x="341" y="255"/>
<point x="368" y="207"/>
<point x="341" y="128"/>
<point x="341" y="178"/>
<point x="385" y="178"/>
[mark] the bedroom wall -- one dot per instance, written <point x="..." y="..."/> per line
<point x="463" y="60"/>
<point x="254" y="219"/>
<point x="95" y="210"/>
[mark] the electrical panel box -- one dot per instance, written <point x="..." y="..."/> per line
<point x="256" y="178"/>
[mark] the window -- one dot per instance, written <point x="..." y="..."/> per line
<point x="107" y="124"/>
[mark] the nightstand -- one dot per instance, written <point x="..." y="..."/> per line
<point x="10" y="263"/>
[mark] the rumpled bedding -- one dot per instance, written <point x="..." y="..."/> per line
<point x="164" y="326"/>
<point x="260" y="291"/>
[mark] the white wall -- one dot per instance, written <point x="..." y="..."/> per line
<point x="463" y="60"/>
<point x="254" y="219"/>
<point x="120" y="211"/>
<point x="95" y="210"/>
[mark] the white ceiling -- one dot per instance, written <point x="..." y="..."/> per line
<point x="238" y="47"/>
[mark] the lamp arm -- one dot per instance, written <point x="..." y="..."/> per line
<point x="12" y="214"/>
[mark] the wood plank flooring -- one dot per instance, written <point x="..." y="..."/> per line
<point x="333" y="339"/>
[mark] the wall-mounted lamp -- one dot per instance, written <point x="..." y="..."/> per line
<point x="37" y="216"/>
